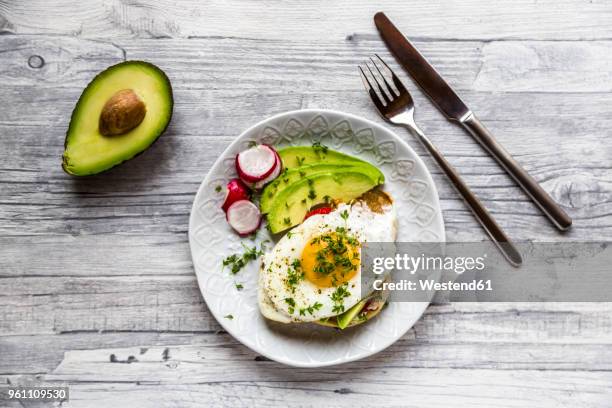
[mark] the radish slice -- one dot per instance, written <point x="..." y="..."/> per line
<point x="372" y="305"/>
<point x="256" y="163"/>
<point x="278" y="167"/>
<point x="244" y="217"/>
<point x="235" y="190"/>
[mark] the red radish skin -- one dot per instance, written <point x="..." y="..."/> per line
<point x="244" y="217"/>
<point x="372" y="305"/>
<point x="320" y="210"/>
<point x="256" y="163"/>
<point x="235" y="190"/>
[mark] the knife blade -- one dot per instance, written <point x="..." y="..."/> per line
<point x="426" y="76"/>
<point x="447" y="101"/>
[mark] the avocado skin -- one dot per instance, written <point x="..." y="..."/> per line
<point x="161" y="74"/>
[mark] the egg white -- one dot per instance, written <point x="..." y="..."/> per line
<point x="362" y="223"/>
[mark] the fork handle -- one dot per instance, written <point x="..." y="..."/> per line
<point x="539" y="196"/>
<point x="486" y="220"/>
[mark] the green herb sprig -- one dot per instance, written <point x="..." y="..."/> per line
<point x="310" y="309"/>
<point x="238" y="261"/>
<point x="338" y="298"/>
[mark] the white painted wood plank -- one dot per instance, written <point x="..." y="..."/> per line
<point x="189" y="350"/>
<point x="587" y="197"/>
<point x="153" y="193"/>
<point x="314" y="20"/>
<point x="114" y="303"/>
<point x="390" y="386"/>
<point x="39" y="305"/>
<point x="95" y="255"/>
<point x="56" y="315"/>
<point x="231" y="64"/>
<point x="218" y="361"/>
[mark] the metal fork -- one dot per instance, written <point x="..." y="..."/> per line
<point x="397" y="107"/>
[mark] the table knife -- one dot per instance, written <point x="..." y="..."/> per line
<point x="455" y="110"/>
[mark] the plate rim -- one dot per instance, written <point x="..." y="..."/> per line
<point x="238" y="140"/>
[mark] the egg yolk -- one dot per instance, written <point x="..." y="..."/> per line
<point x="331" y="259"/>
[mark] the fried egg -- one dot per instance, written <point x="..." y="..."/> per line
<point x="314" y="271"/>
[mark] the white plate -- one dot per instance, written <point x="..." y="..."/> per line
<point x="211" y="239"/>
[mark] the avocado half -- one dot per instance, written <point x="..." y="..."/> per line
<point x="134" y="100"/>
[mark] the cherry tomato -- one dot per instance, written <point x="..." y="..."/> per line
<point x="320" y="210"/>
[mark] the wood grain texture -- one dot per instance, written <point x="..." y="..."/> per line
<point x="315" y="20"/>
<point x="462" y="387"/>
<point x="145" y="194"/>
<point x="100" y="266"/>
<point x="49" y="305"/>
<point x="520" y="336"/>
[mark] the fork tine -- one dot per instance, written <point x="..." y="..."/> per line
<point x="380" y="88"/>
<point x="368" y="86"/>
<point x="364" y="79"/>
<point x="392" y="92"/>
<point x="398" y="84"/>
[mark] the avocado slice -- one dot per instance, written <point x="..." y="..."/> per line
<point x="297" y="156"/>
<point x="347" y="317"/>
<point x="291" y="205"/>
<point x="357" y="317"/>
<point x="290" y="176"/>
<point x="122" y="111"/>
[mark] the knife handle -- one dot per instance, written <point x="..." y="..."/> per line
<point x="539" y="196"/>
<point x="486" y="220"/>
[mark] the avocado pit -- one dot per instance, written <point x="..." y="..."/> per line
<point x="121" y="113"/>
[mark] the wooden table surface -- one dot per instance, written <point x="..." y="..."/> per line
<point x="97" y="288"/>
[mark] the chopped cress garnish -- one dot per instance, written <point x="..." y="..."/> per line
<point x="291" y="304"/>
<point x="338" y="298"/>
<point x="237" y="261"/>
<point x="319" y="148"/>
<point x="310" y="309"/>
<point x="294" y="275"/>
<point x="344" y="214"/>
<point x="311" y="192"/>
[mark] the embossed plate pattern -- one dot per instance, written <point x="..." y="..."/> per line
<point x="211" y="239"/>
